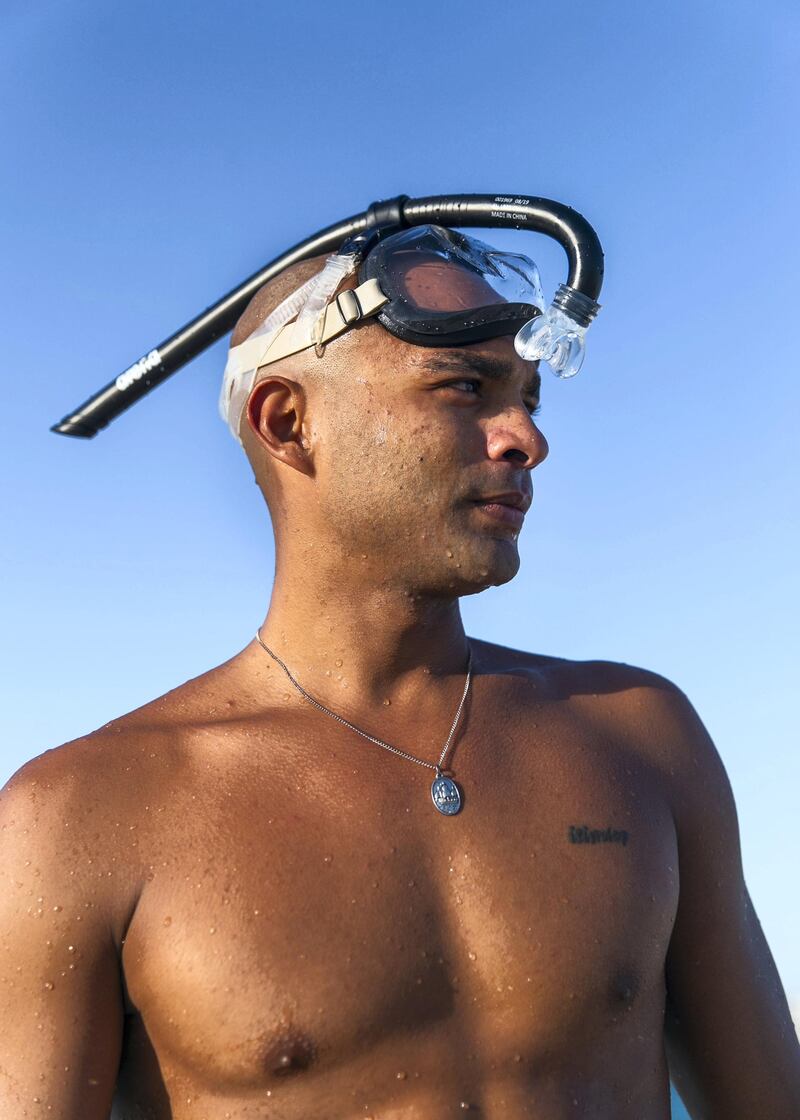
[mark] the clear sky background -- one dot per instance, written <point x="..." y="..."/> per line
<point x="154" y="155"/>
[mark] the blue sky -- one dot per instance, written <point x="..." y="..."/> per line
<point x="157" y="154"/>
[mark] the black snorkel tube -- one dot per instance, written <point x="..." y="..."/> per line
<point x="577" y="298"/>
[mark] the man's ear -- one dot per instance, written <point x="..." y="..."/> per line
<point x="275" y="413"/>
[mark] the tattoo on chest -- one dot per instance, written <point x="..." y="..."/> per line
<point x="582" y="834"/>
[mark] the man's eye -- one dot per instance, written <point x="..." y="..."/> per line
<point x="464" y="381"/>
<point x="472" y="385"/>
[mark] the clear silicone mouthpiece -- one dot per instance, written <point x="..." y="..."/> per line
<point x="558" y="335"/>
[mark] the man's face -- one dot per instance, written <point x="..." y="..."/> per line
<point x="407" y="439"/>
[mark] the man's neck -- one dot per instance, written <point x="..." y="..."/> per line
<point x="358" y="645"/>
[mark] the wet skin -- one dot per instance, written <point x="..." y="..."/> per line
<point x="297" y="933"/>
<point x="227" y="906"/>
<point x="316" y="937"/>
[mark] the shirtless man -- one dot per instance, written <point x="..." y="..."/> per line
<point x="227" y="904"/>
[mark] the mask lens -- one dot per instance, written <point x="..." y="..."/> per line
<point x="431" y="283"/>
<point x="446" y="288"/>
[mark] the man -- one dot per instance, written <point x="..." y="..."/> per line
<point x="239" y="901"/>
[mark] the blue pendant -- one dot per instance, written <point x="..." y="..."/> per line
<point x="446" y="795"/>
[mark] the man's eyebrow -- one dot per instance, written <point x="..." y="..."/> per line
<point x="493" y="369"/>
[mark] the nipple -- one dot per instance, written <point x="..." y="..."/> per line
<point x="287" y="1053"/>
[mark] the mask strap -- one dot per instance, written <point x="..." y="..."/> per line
<point x="245" y="360"/>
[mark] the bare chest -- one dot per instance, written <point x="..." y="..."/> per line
<point x="313" y="911"/>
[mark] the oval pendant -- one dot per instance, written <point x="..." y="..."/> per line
<point x="446" y="795"/>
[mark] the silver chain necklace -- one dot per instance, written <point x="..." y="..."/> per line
<point x="445" y="794"/>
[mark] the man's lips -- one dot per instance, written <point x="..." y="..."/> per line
<point x="508" y="508"/>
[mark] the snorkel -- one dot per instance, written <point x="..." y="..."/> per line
<point x="556" y="335"/>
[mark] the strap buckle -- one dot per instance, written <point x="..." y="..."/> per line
<point x="349" y="306"/>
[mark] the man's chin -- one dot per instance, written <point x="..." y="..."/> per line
<point x="495" y="567"/>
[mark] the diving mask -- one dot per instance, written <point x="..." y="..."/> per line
<point x="427" y="285"/>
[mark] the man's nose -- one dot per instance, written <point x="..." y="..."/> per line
<point x="514" y="436"/>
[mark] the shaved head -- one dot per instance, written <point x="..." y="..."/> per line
<point x="274" y="292"/>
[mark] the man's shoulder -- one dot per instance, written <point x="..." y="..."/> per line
<point x="591" y="676"/>
<point x="644" y="712"/>
<point x="627" y="703"/>
<point x="80" y="811"/>
<point x="147" y="739"/>
<point x="113" y="794"/>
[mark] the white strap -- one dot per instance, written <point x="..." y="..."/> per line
<point x="350" y="306"/>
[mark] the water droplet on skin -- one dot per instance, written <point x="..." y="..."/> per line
<point x="49" y="985"/>
<point x="57" y="909"/>
<point x="338" y="662"/>
<point x="386" y="703"/>
<point x="328" y="859"/>
<point x="402" y="1075"/>
<point x="472" y="956"/>
<point x="168" y="920"/>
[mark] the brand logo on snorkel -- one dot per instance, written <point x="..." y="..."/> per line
<point x="137" y="371"/>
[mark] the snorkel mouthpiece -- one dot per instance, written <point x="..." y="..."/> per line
<point x="558" y="336"/>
